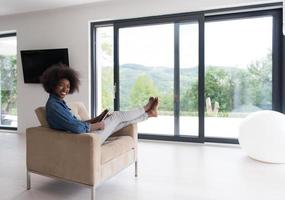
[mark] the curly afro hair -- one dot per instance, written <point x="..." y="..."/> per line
<point x="55" y="73"/>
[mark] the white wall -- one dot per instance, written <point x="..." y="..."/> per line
<point x="69" y="27"/>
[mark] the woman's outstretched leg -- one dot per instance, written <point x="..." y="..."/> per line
<point x="124" y="124"/>
<point x="120" y="119"/>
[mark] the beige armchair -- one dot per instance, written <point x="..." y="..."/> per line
<point x="78" y="157"/>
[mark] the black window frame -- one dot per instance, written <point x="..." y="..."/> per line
<point x="278" y="90"/>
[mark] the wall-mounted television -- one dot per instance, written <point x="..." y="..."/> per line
<point x="35" y="62"/>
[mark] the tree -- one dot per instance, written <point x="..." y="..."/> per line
<point x="107" y="87"/>
<point x="107" y="70"/>
<point x="8" y="83"/>
<point x="241" y="88"/>
<point x="260" y="81"/>
<point x="189" y="98"/>
<point x="219" y="87"/>
<point x="166" y="101"/>
<point x="143" y="88"/>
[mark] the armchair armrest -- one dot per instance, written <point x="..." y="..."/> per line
<point x="74" y="157"/>
<point x="130" y="130"/>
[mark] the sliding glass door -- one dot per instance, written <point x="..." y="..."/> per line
<point x="161" y="59"/>
<point x="146" y="65"/>
<point x="188" y="79"/>
<point x="209" y="71"/>
<point x="238" y="72"/>
<point x="104" y="70"/>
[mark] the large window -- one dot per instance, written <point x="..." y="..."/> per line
<point x="146" y="69"/>
<point x="188" y="76"/>
<point x="208" y="71"/>
<point x="238" y="74"/>
<point x="105" y="69"/>
<point x="8" y="81"/>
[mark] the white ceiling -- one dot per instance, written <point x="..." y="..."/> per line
<point x="8" y="7"/>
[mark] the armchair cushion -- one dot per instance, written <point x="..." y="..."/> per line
<point x="77" y="108"/>
<point x="41" y="114"/>
<point x="115" y="146"/>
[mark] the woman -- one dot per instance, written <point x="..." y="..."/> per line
<point x="59" y="81"/>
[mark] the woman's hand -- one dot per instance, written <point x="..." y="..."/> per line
<point x="99" y="118"/>
<point x="97" y="126"/>
<point x="92" y="121"/>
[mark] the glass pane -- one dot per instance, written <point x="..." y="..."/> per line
<point x="104" y="62"/>
<point x="146" y="69"/>
<point x="189" y="58"/>
<point x="8" y="70"/>
<point x="238" y="75"/>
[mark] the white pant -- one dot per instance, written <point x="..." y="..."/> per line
<point x="120" y="119"/>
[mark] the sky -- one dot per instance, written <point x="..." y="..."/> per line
<point x="235" y="43"/>
<point x="8" y="46"/>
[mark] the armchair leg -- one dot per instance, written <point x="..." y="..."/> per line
<point x="93" y="192"/>
<point x="136" y="168"/>
<point x="28" y="180"/>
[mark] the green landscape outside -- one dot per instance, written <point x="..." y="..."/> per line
<point x="8" y="81"/>
<point x="252" y="84"/>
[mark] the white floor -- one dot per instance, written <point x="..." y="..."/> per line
<point x="167" y="171"/>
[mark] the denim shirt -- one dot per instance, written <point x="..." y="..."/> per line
<point x="59" y="117"/>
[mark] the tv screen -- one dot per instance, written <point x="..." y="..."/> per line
<point x="35" y="62"/>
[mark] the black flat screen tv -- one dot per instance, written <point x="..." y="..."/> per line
<point x="35" y="62"/>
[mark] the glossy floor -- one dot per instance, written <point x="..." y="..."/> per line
<point x="167" y="171"/>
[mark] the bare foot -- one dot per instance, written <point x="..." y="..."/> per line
<point x="148" y="106"/>
<point x="153" y="112"/>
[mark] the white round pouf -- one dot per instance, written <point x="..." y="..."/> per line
<point x="262" y="136"/>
